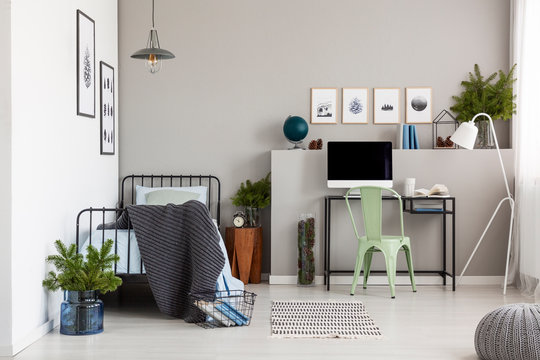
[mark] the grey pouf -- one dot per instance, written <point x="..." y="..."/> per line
<point x="511" y="332"/>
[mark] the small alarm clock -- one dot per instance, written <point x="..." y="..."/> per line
<point x="239" y="219"/>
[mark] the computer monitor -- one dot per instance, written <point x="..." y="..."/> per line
<point x="359" y="163"/>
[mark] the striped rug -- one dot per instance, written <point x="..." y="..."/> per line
<point x="322" y="319"/>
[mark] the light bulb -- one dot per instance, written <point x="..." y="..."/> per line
<point x="153" y="63"/>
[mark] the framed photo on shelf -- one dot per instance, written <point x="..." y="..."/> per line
<point x="86" y="60"/>
<point x="386" y="106"/>
<point x="107" y="108"/>
<point x="419" y="109"/>
<point x="355" y="109"/>
<point x="323" y="105"/>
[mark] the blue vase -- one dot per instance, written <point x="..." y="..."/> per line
<point x="81" y="313"/>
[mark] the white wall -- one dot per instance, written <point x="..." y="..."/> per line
<point x="57" y="167"/>
<point x="5" y="178"/>
<point x="243" y="66"/>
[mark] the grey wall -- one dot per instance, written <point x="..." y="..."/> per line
<point x="473" y="177"/>
<point x="243" y="66"/>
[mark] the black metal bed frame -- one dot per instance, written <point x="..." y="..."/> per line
<point x="158" y="181"/>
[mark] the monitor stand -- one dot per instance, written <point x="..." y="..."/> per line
<point x="354" y="193"/>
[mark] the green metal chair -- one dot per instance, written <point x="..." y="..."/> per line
<point x="374" y="241"/>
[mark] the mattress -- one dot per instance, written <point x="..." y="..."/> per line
<point x="122" y="242"/>
<point x="124" y="238"/>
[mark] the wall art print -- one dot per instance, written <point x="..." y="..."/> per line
<point x="386" y="106"/>
<point x="419" y="108"/>
<point x="323" y="105"/>
<point x="86" y="60"/>
<point x="355" y="109"/>
<point x="107" y="108"/>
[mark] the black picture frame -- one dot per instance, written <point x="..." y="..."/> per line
<point x="107" y="109"/>
<point x="86" y="64"/>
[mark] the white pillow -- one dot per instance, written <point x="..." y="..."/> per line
<point x="141" y="191"/>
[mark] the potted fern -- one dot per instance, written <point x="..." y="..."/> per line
<point x="82" y="280"/>
<point x="486" y="95"/>
<point x="253" y="197"/>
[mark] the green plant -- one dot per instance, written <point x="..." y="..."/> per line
<point x="255" y="195"/>
<point x="481" y="95"/>
<point x="76" y="274"/>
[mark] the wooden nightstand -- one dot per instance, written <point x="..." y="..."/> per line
<point x="244" y="247"/>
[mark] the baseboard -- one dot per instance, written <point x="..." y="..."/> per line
<point x="6" y="351"/>
<point x="383" y="280"/>
<point x="35" y="335"/>
<point x="290" y="280"/>
<point x="481" y="280"/>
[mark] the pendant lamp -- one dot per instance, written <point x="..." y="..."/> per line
<point x="153" y="54"/>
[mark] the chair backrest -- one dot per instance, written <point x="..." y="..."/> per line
<point x="372" y="210"/>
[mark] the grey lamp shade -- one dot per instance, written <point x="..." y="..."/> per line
<point x="465" y="135"/>
<point x="159" y="53"/>
<point x="153" y="48"/>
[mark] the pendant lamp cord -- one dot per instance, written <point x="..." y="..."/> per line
<point x="152" y="14"/>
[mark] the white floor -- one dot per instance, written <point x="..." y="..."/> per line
<point x="434" y="323"/>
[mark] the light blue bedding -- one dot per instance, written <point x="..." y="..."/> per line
<point x="224" y="282"/>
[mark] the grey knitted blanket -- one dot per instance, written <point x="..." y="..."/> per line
<point x="179" y="245"/>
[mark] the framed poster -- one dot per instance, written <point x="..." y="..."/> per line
<point x="419" y="109"/>
<point x="107" y="108"/>
<point x="386" y="106"/>
<point x="86" y="60"/>
<point x="323" y="105"/>
<point x="355" y="109"/>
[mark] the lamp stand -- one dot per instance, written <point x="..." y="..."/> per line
<point x="508" y="198"/>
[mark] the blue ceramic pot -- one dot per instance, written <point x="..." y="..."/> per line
<point x="81" y="313"/>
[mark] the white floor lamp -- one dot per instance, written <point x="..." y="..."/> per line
<point x="465" y="136"/>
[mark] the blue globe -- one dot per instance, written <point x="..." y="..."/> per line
<point x="295" y="129"/>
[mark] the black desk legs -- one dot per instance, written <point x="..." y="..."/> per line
<point x="453" y="245"/>
<point x="325" y="270"/>
<point x="327" y="215"/>
<point x="446" y="211"/>
<point x="444" y="242"/>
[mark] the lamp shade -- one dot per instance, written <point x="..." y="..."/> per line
<point x="153" y="49"/>
<point x="465" y="135"/>
<point x="159" y="53"/>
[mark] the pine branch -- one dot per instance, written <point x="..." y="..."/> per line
<point x="76" y="274"/>
<point x="482" y="95"/>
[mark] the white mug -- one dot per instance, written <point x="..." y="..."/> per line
<point x="409" y="186"/>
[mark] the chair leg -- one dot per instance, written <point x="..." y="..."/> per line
<point x="410" y="266"/>
<point x="357" y="267"/>
<point x="391" y="272"/>
<point x="367" y="266"/>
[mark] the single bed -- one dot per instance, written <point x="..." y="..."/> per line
<point x="133" y="191"/>
<point x="176" y="220"/>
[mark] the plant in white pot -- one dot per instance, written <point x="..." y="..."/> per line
<point x="82" y="280"/>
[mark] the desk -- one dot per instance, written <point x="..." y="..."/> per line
<point x="449" y="206"/>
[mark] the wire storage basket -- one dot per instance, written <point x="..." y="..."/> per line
<point x="225" y="308"/>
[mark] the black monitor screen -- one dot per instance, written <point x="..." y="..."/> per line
<point x="359" y="160"/>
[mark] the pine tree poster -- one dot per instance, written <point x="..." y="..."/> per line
<point x="86" y="78"/>
<point x="107" y="105"/>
